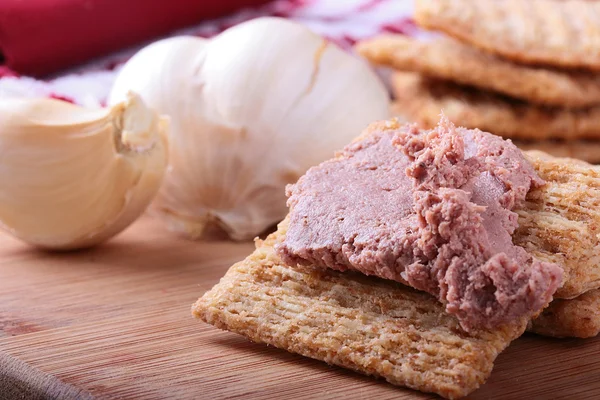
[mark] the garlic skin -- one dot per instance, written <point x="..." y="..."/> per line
<point x="251" y="110"/>
<point x="74" y="177"/>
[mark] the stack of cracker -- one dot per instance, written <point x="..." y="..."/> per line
<point x="382" y="328"/>
<point x="524" y="70"/>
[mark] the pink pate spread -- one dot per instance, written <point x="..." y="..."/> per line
<point x="431" y="209"/>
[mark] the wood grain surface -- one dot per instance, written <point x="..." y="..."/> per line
<point x="115" y="323"/>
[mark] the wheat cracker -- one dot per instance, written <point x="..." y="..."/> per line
<point x="585" y="150"/>
<point x="420" y="99"/>
<point x="448" y="59"/>
<point x="370" y="325"/>
<point x="562" y="33"/>
<point x="579" y="317"/>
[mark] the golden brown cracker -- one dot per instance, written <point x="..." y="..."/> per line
<point x="585" y="150"/>
<point x="421" y="100"/>
<point x="578" y="317"/>
<point x="370" y="325"/>
<point x="451" y="60"/>
<point x="560" y="222"/>
<point x="553" y="32"/>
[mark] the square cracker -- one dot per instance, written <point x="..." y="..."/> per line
<point x="448" y="59"/>
<point x="366" y="324"/>
<point x="420" y="99"/>
<point x="552" y="32"/>
<point x="560" y="221"/>
<point x="579" y="317"/>
<point x="586" y="150"/>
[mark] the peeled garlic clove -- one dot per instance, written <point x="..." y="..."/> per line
<point x="251" y="109"/>
<point x="74" y="177"/>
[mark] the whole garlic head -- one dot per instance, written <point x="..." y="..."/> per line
<point x="74" y="177"/>
<point x="251" y="110"/>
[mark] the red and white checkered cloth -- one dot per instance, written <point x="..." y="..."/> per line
<point x="342" y="21"/>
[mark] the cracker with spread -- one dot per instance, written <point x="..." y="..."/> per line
<point x="460" y="215"/>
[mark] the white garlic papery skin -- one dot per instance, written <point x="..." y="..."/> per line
<point x="251" y="110"/>
<point x="74" y="177"/>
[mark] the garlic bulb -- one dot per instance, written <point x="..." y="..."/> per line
<point x="251" y="110"/>
<point x="74" y="177"/>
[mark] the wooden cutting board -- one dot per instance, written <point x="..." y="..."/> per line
<point x="115" y="322"/>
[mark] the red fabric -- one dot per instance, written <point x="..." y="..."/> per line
<point x="38" y="37"/>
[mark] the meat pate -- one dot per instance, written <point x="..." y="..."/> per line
<point x="431" y="209"/>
